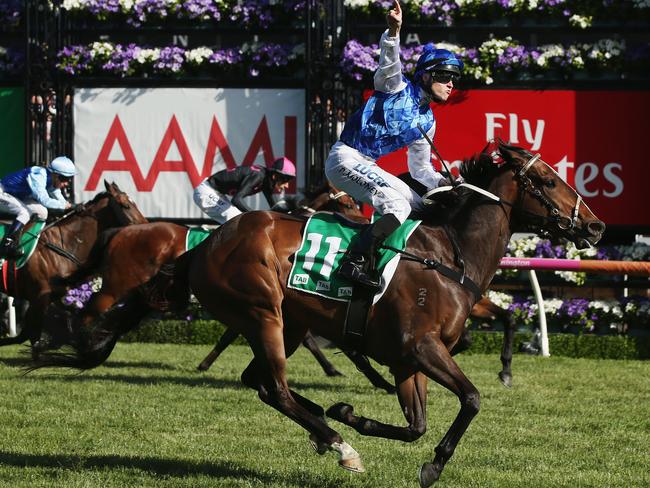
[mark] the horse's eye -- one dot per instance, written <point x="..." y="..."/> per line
<point x="549" y="183"/>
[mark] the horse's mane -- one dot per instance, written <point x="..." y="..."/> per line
<point x="477" y="170"/>
<point x="98" y="197"/>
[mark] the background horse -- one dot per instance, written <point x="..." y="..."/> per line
<point x="239" y="275"/>
<point x="132" y="255"/>
<point x="63" y="251"/>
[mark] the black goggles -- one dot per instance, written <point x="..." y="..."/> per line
<point x="444" y="77"/>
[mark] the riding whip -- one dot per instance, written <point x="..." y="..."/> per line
<point x="435" y="151"/>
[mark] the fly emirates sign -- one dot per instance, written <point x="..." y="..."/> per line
<point x="158" y="144"/>
<point x="595" y="140"/>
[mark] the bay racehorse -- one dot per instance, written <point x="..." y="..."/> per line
<point x="239" y="274"/>
<point x="63" y="250"/>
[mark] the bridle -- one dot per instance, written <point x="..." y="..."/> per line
<point x="527" y="186"/>
<point x="331" y="197"/>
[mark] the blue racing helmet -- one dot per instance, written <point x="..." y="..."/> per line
<point x="433" y="59"/>
<point x="63" y="166"/>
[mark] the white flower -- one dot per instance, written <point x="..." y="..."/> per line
<point x="198" y="55"/>
<point x="581" y="21"/>
<point x="147" y="55"/>
<point x="500" y="299"/>
<point x="101" y="49"/>
<point x="356" y="4"/>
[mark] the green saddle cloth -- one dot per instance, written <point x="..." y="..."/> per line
<point x="324" y="243"/>
<point x="195" y="236"/>
<point x="28" y="241"/>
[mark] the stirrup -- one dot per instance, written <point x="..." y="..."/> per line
<point x="10" y="251"/>
<point x="354" y="271"/>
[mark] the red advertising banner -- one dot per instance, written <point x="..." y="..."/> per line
<point x="596" y="140"/>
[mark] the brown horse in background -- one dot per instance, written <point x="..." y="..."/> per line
<point x="133" y="255"/>
<point x="62" y="252"/>
<point x="240" y="273"/>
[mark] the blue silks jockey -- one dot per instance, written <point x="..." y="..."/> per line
<point x="389" y="121"/>
<point x="29" y="193"/>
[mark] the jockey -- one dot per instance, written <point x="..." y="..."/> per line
<point x="388" y="121"/>
<point x="29" y="193"/>
<point x="239" y="183"/>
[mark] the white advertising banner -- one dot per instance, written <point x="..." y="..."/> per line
<point x="158" y="144"/>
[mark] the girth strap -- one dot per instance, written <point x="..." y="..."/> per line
<point x="63" y="253"/>
<point x="452" y="274"/>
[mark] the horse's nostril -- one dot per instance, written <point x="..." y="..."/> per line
<point x="596" y="227"/>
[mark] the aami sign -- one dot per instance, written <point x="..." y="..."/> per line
<point x="158" y="144"/>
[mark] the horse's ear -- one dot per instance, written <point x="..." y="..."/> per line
<point x="106" y="185"/>
<point x="116" y="188"/>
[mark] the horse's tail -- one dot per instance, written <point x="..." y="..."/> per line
<point x="167" y="290"/>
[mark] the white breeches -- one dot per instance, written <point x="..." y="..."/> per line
<point x="214" y="204"/>
<point x="22" y="210"/>
<point x="360" y="177"/>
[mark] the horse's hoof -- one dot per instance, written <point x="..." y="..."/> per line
<point x="355" y="465"/>
<point x="428" y="475"/>
<point x="348" y="458"/>
<point x="339" y="411"/>
<point x="202" y="367"/>
<point x="319" y="447"/>
<point x="506" y="379"/>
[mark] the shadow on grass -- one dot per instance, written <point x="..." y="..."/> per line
<point x="155" y="466"/>
<point x="17" y="362"/>
<point x="137" y="364"/>
<point x="198" y="380"/>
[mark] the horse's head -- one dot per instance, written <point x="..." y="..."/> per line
<point x="327" y="197"/>
<point x="546" y="203"/>
<point x="124" y="209"/>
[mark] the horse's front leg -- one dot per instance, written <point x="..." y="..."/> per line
<point x="412" y="395"/>
<point x="436" y="362"/>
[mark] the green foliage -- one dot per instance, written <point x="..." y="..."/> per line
<point x="179" y="332"/>
<point x="570" y="345"/>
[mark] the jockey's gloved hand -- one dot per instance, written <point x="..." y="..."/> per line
<point x="281" y="206"/>
<point x="447" y="182"/>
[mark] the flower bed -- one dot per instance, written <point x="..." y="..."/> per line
<point x="580" y="315"/>
<point x="576" y="13"/>
<point x="241" y="13"/>
<point x="104" y="58"/>
<point x="506" y="59"/>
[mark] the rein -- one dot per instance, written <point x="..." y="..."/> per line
<point x="450" y="273"/>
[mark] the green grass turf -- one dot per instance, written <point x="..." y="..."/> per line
<point x="147" y="418"/>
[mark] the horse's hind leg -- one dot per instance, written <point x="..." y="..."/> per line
<point x="225" y="340"/>
<point x="505" y="375"/>
<point x="436" y="362"/>
<point x="310" y="343"/>
<point x="266" y="374"/>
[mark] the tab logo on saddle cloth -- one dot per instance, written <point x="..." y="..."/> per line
<point x="324" y="242"/>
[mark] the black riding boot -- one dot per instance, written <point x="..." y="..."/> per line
<point x="10" y="246"/>
<point x="358" y="265"/>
